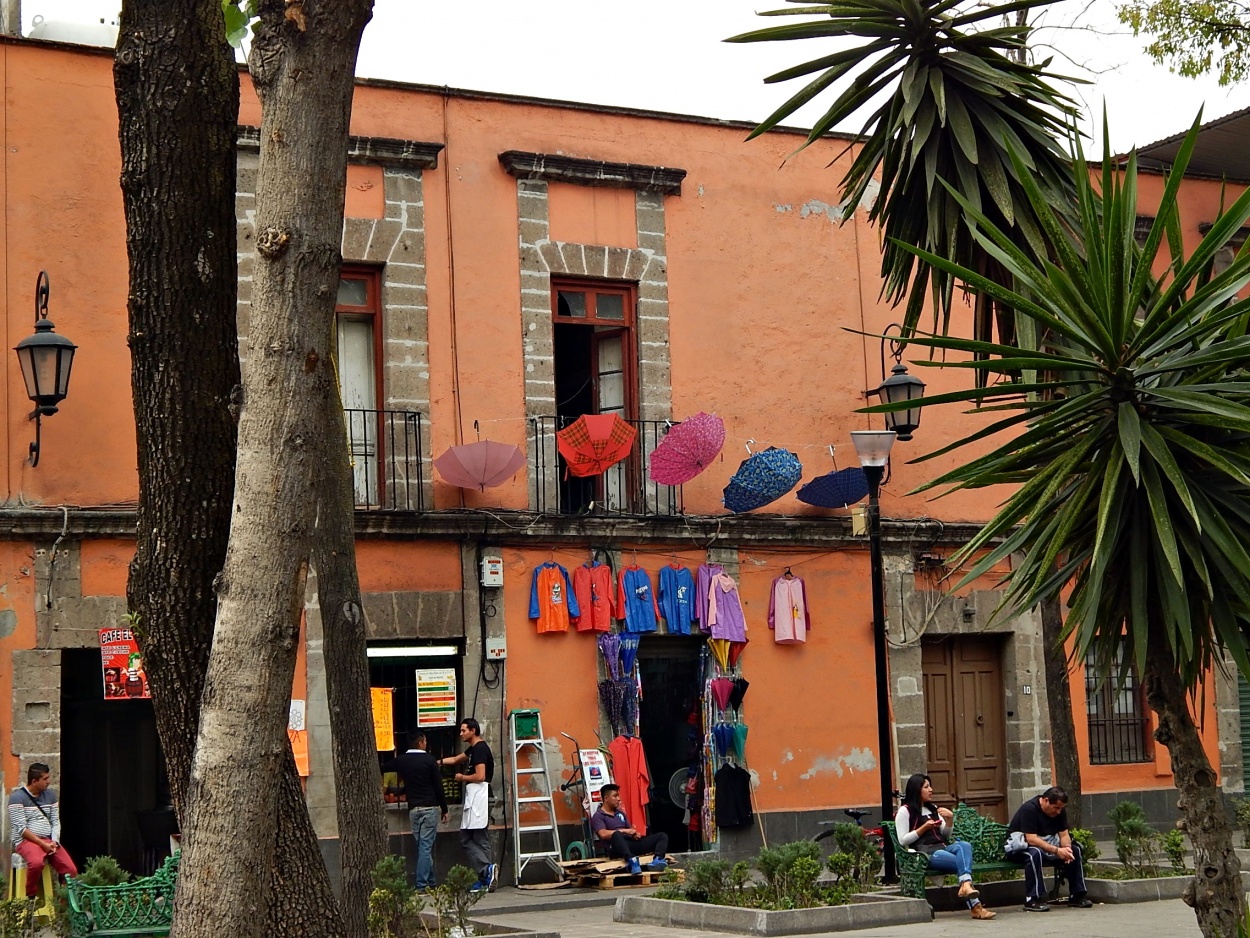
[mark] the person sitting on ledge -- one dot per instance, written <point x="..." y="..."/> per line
<point x="612" y="828"/>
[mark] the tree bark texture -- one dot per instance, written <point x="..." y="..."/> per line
<point x="1059" y="701"/>
<point x="303" y="64"/>
<point x="177" y="91"/>
<point x="1215" y="894"/>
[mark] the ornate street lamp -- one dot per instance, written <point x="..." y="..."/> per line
<point x="873" y="448"/>
<point x="46" y="359"/>
<point x="899" y="388"/>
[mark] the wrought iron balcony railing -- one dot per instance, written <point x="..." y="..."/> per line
<point x="388" y="464"/>
<point x="623" y="489"/>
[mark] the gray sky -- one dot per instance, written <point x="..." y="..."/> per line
<point x="668" y="55"/>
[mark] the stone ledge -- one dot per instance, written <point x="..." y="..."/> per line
<point x="380" y="151"/>
<point x="555" y="168"/>
<point x="866" y="911"/>
<point x="1118" y="891"/>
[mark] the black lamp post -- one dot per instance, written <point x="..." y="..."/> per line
<point x="898" y="388"/>
<point x="46" y="359"/>
<point x="873" y="449"/>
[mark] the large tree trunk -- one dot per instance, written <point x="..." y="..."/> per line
<point x="303" y="64"/>
<point x="1215" y="892"/>
<point x="1059" y="702"/>
<point x="361" y="816"/>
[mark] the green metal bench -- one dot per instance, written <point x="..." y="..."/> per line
<point x="986" y="836"/>
<point x="142" y="907"/>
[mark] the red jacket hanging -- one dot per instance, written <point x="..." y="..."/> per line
<point x="629" y="770"/>
<point x="592" y="586"/>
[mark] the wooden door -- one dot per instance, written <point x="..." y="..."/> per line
<point x="964" y="726"/>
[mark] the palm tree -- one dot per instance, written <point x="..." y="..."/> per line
<point x="1130" y="451"/>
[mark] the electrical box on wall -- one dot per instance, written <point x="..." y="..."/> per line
<point x="492" y="572"/>
<point x="496" y="648"/>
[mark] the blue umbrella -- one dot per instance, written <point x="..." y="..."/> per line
<point x="762" y="478"/>
<point x="629" y="651"/>
<point x="838" y="489"/>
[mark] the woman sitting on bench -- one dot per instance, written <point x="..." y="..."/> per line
<point x="925" y="828"/>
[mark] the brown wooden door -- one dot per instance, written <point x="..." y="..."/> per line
<point x="964" y="728"/>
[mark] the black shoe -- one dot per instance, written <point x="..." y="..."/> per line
<point x="1035" y="905"/>
<point x="1080" y="901"/>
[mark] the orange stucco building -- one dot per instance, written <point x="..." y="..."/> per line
<point x="509" y="264"/>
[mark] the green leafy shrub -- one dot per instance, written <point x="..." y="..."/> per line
<point x="851" y="840"/>
<point x="1173" y="843"/>
<point x="17" y="918"/>
<point x="394" y="906"/>
<point x="1085" y="840"/>
<point x="1241" y="809"/>
<point x="1135" y="842"/>
<point x="453" y="899"/>
<point x="103" y="871"/>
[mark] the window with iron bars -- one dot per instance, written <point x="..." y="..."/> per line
<point x="1119" y="724"/>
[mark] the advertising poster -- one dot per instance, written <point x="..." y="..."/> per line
<point x="595" y="771"/>
<point x="124" y="678"/>
<point x="383" y="718"/>
<point x="436" y="697"/>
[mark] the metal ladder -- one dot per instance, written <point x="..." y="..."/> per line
<point x="533" y="810"/>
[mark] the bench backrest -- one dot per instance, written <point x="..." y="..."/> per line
<point x="148" y="901"/>
<point x="987" y="836"/>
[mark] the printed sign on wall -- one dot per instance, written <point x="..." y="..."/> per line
<point x="124" y="678"/>
<point x="383" y="718"/>
<point x="436" y="697"/>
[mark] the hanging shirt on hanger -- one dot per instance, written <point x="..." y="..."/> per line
<point x="592" y="587"/>
<point x="733" y="796"/>
<point x="629" y="769"/>
<point x="725" y="618"/>
<point x="703" y="577"/>
<point x="788" y="615"/>
<point x="552" y="601"/>
<point x="635" y="602"/>
<point x="676" y="598"/>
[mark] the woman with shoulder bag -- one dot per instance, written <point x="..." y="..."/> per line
<point x="924" y="827"/>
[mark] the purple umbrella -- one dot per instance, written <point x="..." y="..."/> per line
<point x="629" y="703"/>
<point x="610" y="648"/>
<point x="687" y="449"/>
<point x="611" y="694"/>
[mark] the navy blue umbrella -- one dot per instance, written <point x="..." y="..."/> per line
<point x="838" y="489"/>
<point x="763" y="478"/>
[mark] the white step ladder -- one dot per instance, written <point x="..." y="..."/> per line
<point x="533" y="810"/>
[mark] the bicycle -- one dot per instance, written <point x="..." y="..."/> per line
<point x="874" y="835"/>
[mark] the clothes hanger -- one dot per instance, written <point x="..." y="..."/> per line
<point x="788" y="575"/>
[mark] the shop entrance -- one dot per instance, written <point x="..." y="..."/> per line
<point x="669" y="670"/>
<point x="113" y="791"/>
<point x="964" y="729"/>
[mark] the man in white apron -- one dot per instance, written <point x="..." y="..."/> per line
<point x="475" y="816"/>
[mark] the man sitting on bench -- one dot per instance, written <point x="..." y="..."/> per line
<point x="613" y="831"/>
<point x="1039" y="834"/>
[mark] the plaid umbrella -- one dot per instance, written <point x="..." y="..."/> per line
<point x="610" y="648"/>
<point x="838" y="489"/>
<point x="480" y="465"/>
<point x="762" y="478"/>
<point x="594" y="442"/>
<point x="688" y="449"/>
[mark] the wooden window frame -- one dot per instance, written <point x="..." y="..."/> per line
<point x="371" y="311"/>
<point x="1105" y="688"/>
<point x="626" y="326"/>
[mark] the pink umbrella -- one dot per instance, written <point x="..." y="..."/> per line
<point x="721" y="688"/>
<point x="687" y="449"/>
<point x="479" y="465"/>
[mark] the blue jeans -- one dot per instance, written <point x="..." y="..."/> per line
<point x="424" y="829"/>
<point x="955" y="858"/>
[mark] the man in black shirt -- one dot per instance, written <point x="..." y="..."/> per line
<point x="1039" y="834"/>
<point x="427" y="804"/>
<point x="475" y="816"/>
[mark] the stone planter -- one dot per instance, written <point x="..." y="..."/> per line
<point x="1136" y="890"/>
<point x="865" y="911"/>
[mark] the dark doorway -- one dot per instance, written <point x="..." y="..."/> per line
<point x="965" y="732"/>
<point x="113" y="789"/>
<point x="669" y="670"/>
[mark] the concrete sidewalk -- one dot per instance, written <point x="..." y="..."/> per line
<point x="568" y="913"/>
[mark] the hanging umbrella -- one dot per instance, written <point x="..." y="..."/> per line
<point x="480" y="465"/>
<point x="721" y="688"/>
<point x="738" y="691"/>
<point x="762" y="478"/>
<point x="593" y="442"/>
<point x="735" y="651"/>
<point x="740" y="740"/>
<point x="723" y="734"/>
<point x="687" y="449"/>
<point x="629" y="703"/>
<point x="610" y="648"/>
<point x="610" y="694"/>
<point x="720" y="651"/>
<point x="839" y="489"/>
<point x="629" y="652"/>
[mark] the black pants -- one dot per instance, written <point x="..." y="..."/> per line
<point x="623" y="848"/>
<point x="1035" y="860"/>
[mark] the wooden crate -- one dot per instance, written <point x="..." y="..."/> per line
<point x="625" y="880"/>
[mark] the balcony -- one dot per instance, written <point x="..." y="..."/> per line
<point x="388" y="464"/>
<point x="623" y="490"/>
